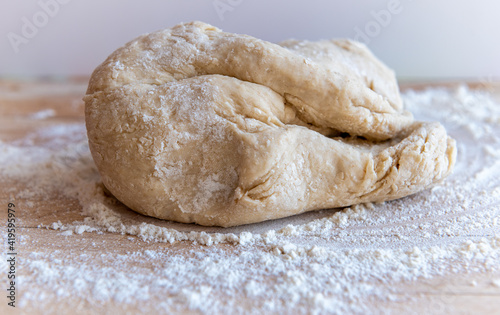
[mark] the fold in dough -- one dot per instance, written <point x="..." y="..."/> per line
<point x="192" y="124"/>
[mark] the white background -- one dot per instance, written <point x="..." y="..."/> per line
<point x="425" y="40"/>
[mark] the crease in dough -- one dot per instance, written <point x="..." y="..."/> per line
<point x="193" y="124"/>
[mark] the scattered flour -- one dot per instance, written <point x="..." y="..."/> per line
<point x="43" y="114"/>
<point x="323" y="262"/>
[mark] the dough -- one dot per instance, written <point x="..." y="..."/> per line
<point x="193" y="124"/>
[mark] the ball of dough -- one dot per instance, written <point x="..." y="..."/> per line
<point x="193" y="124"/>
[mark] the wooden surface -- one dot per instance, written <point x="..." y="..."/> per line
<point x="19" y="100"/>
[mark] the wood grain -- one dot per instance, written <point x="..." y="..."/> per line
<point x="459" y="294"/>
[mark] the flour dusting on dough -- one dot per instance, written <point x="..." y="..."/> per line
<point x="331" y="261"/>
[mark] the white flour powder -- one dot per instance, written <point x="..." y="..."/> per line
<point x="324" y="262"/>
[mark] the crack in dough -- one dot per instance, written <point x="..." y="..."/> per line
<point x="193" y="124"/>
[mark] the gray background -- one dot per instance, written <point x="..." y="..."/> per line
<point x="419" y="39"/>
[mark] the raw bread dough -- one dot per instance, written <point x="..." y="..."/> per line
<point x="192" y="124"/>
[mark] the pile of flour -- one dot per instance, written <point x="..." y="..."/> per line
<point x="343" y="260"/>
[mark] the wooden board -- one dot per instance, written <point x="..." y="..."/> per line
<point x="20" y="100"/>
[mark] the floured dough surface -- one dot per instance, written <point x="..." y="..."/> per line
<point x="192" y="124"/>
